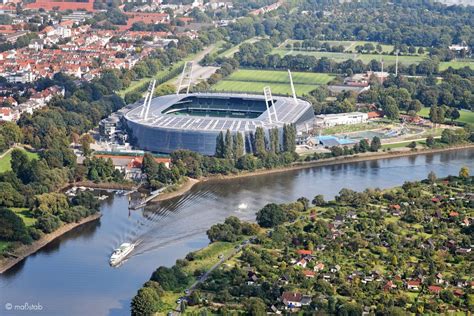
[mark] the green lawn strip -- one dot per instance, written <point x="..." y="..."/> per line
<point x="257" y="87"/>
<point x="5" y="161"/>
<point x="456" y="64"/>
<point x="231" y="51"/>
<point x="25" y="215"/>
<point x="275" y="76"/>
<point x="466" y="115"/>
<point x="421" y="143"/>
<point x="366" y="58"/>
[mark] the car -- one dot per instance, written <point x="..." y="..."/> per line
<point x="187" y="292"/>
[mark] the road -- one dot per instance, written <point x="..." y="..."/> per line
<point x="200" y="72"/>
<point x="204" y="277"/>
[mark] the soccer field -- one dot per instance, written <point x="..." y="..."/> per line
<point x="365" y="58"/>
<point x="254" y="81"/>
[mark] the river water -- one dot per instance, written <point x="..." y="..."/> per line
<point x="71" y="275"/>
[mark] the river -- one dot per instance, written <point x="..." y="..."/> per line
<point x="71" y="276"/>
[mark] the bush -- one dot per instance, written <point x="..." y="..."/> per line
<point x="35" y="233"/>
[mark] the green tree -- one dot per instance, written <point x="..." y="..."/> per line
<point x="9" y="196"/>
<point x="260" y="148"/>
<point x="432" y="177"/>
<point x="256" y="306"/>
<point x="430" y="141"/>
<point x="145" y="303"/>
<point x="289" y="138"/>
<point x="375" y="144"/>
<point x="318" y="200"/>
<point x="274" y="140"/>
<point x="220" y="145"/>
<point x="12" y="227"/>
<point x="390" y="108"/>
<point x="239" y="147"/>
<point x="228" y="146"/>
<point x="271" y="215"/>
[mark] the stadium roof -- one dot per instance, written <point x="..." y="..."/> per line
<point x="287" y="112"/>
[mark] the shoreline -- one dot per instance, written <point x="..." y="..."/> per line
<point x="24" y="251"/>
<point x="183" y="189"/>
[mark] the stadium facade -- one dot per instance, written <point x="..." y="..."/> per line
<point x="193" y="121"/>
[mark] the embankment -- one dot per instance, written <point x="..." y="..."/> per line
<point x="309" y="164"/>
<point x="24" y="251"/>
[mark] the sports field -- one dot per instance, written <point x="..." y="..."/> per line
<point x="456" y="64"/>
<point x="365" y="58"/>
<point x="466" y="116"/>
<point x="245" y="80"/>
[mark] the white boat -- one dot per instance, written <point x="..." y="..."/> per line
<point x="121" y="253"/>
<point x="242" y="206"/>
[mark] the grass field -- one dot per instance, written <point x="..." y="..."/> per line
<point x="25" y="215"/>
<point x="466" y="116"/>
<point x="350" y="45"/>
<point x="245" y="80"/>
<point x="456" y="64"/>
<point x="5" y="161"/>
<point x="365" y="58"/>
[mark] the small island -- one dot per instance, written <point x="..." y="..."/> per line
<point x="405" y="249"/>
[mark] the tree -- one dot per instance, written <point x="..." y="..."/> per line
<point x="86" y="140"/>
<point x="432" y="177"/>
<point x="437" y="114"/>
<point x="430" y="141"/>
<point x="260" y="142"/>
<point x="375" y="144"/>
<point x="464" y="173"/>
<point x="364" y="145"/>
<point x="318" y="200"/>
<point x="145" y="303"/>
<point x="12" y="227"/>
<point x="220" y="145"/>
<point x="412" y="145"/>
<point x="239" y="147"/>
<point x="9" y="196"/>
<point x="289" y="138"/>
<point x="454" y="114"/>
<point x="274" y="140"/>
<point x="256" y="306"/>
<point x="228" y="146"/>
<point x="304" y="201"/>
<point x="11" y="133"/>
<point x="390" y="108"/>
<point x="271" y="215"/>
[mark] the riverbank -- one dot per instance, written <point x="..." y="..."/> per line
<point x="183" y="188"/>
<point x="310" y="164"/>
<point x="24" y="251"/>
<point x="104" y="185"/>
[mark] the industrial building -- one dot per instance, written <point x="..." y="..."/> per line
<point x="193" y="121"/>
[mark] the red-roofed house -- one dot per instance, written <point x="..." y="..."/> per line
<point x="304" y="252"/>
<point x="6" y="114"/>
<point x="434" y="289"/>
<point x="309" y="273"/>
<point x="413" y="285"/>
<point x="61" y="5"/>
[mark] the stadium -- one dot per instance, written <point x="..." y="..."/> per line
<point x="193" y="121"/>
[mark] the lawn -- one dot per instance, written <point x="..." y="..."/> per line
<point x="349" y="46"/>
<point x="456" y="64"/>
<point x="231" y="51"/>
<point x="5" y="161"/>
<point x="466" y="115"/>
<point x="25" y="215"/>
<point x="404" y="144"/>
<point x="253" y="81"/>
<point x="4" y="245"/>
<point x="366" y="58"/>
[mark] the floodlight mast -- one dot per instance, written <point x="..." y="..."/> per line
<point x="149" y="99"/>
<point x="186" y="76"/>
<point x="145" y="101"/>
<point x="270" y="104"/>
<point x="292" y="87"/>
<point x="396" y="63"/>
